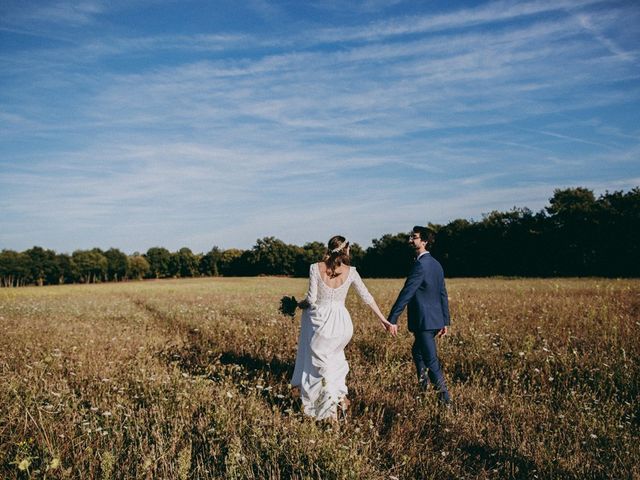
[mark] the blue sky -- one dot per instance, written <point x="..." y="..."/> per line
<point x="143" y="123"/>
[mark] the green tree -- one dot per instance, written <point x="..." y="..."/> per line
<point x="187" y="262"/>
<point x="117" y="263"/>
<point x="618" y="248"/>
<point x="66" y="269"/>
<point x="390" y="256"/>
<point x="91" y="265"/>
<point x="457" y="247"/>
<point x="174" y="265"/>
<point x="571" y="202"/>
<point x="138" y="267"/>
<point x="314" y="251"/>
<point x="311" y="252"/>
<point x="271" y="256"/>
<point x="503" y="243"/>
<point x="43" y="267"/>
<point x="357" y="255"/>
<point x="229" y="260"/>
<point x="574" y="229"/>
<point x="159" y="259"/>
<point x="209" y="262"/>
<point x="14" y="268"/>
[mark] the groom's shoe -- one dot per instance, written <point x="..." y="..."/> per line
<point x="443" y="395"/>
<point x="444" y="398"/>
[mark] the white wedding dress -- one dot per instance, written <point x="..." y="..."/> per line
<point x="325" y="330"/>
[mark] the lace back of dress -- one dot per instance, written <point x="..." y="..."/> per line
<point x="326" y="294"/>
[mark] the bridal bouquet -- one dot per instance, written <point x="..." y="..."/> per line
<point x="288" y="305"/>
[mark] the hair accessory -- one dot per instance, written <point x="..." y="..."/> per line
<point x="339" y="247"/>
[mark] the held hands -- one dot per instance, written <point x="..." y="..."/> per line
<point x="389" y="327"/>
<point x="386" y="324"/>
<point x="393" y="330"/>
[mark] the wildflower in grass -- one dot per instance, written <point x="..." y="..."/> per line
<point x="107" y="464"/>
<point x="184" y="462"/>
<point x="24" y="464"/>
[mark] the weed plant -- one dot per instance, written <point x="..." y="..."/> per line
<point x="183" y="379"/>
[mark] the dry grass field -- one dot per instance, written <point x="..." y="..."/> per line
<point x="186" y="379"/>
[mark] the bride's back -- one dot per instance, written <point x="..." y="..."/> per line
<point x="340" y="277"/>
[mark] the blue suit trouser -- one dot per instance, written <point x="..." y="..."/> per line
<point x="425" y="357"/>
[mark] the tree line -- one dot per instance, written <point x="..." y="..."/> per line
<point x="577" y="234"/>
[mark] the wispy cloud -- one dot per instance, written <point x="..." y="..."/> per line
<point x="62" y="12"/>
<point x="585" y="20"/>
<point x="222" y="136"/>
<point x="492" y="12"/>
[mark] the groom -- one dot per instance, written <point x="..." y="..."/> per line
<point x="425" y="293"/>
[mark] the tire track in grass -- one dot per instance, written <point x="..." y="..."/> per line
<point x="199" y="354"/>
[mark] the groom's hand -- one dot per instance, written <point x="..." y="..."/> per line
<point x="443" y="331"/>
<point x="393" y="330"/>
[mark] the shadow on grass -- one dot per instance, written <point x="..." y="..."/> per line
<point x="200" y="356"/>
<point x="274" y="371"/>
<point x="484" y="459"/>
<point x="257" y="366"/>
<point x="387" y="415"/>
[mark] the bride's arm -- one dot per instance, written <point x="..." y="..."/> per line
<point x="369" y="300"/>
<point x="312" y="291"/>
<point x="381" y="317"/>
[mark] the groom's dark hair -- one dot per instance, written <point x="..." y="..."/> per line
<point x="426" y="234"/>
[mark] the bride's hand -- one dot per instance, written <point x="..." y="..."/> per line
<point x="389" y="327"/>
<point x="393" y="330"/>
<point x="304" y="304"/>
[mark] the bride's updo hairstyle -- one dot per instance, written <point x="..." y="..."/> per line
<point x="336" y="254"/>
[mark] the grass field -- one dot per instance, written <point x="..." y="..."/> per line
<point x="189" y="379"/>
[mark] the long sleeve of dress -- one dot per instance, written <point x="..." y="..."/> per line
<point x="312" y="291"/>
<point x="361" y="288"/>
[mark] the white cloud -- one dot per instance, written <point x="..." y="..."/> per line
<point x="492" y="12"/>
<point x="239" y="136"/>
<point x="64" y="12"/>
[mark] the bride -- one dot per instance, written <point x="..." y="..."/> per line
<point x="325" y="330"/>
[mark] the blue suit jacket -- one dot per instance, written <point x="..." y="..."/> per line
<point x="426" y="294"/>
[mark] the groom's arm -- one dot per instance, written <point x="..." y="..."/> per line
<point x="411" y="285"/>
<point x="444" y="300"/>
